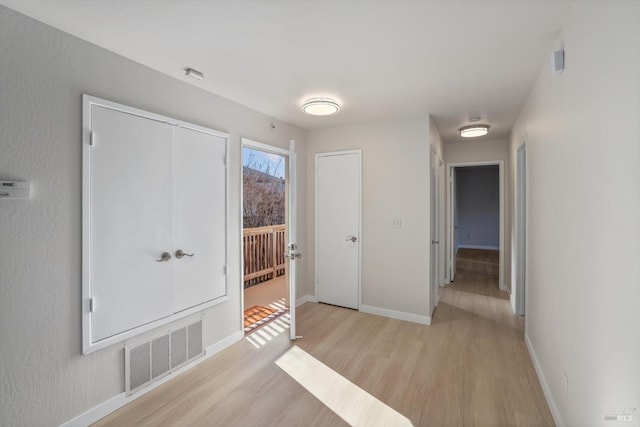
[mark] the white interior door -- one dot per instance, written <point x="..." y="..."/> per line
<point x="338" y="229"/>
<point x="199" y="219"/>
<point x="131" y="208"/>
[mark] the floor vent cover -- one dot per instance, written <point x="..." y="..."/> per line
<point x="149" y="361"/>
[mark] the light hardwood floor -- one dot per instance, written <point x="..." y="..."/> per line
<point x="469" y="368"/>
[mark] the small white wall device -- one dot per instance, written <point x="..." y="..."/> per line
<point x="14" y="190"/>
<point x="557" y="61"/>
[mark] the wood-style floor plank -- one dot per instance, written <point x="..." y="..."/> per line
<point x="471" y="367"/>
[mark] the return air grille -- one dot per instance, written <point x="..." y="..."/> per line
<point x="149" y="361"/>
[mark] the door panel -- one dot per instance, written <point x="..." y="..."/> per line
<point x="131" y="221"/>
<point x="293" y="240"/>
<point x="338" y="229"/>
<point x="199" y="219"/>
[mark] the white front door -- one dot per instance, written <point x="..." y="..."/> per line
<point x="338" y="212"/>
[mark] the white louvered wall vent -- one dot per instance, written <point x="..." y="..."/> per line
<point x="150" y="361"/>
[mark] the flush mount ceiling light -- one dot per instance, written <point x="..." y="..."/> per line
<point x="472" y="131"/>
<point x="194" y="73"/>
<point x="320" y="106"/>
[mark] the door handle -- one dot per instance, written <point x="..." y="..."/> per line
<point x="434" y="242"/>
<point x="180" y="254"/>
<point x="166" y="256"/>
<point x="351" y="239"/>
<point x="293" y="255"/>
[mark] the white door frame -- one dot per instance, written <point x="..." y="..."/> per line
<point x="520" y="236"/>
<point x="450" y="216"/>
<point x="291" y="232"/>
<point x="435" y="228"/>
<point x="317" y="255"/>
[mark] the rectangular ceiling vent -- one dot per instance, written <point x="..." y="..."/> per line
<point x="147" y="362"/>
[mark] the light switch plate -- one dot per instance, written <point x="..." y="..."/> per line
<point x="14" y="190"/>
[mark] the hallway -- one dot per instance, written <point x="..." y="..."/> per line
<point x="470" y="367"/>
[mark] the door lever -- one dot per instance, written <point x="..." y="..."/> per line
<point x="180" y="254"/>
<point x="351" y="239"/>
<point x="166" y="256"/>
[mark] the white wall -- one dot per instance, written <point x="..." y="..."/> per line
<point x="483" y="151"/>
<point x="43" y="72"/>
<point x="395" y="262"/>
<point x="582" y="130"/>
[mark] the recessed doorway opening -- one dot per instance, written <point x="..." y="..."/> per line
<point x="476" y="228"/>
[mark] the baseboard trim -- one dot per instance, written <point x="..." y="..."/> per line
<point x="400" y="315"/>
<point x="490" y="248"/>
<point x="305" y="299"/>
<point x="555" y="412"/>
<point x="105" y="408"/>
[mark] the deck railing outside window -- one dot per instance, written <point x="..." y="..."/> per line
<point x="264" y="249"/>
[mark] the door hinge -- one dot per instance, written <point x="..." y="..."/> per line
<point x="91" y="305"/>
<point x="224" y="270"/>
<point x="92" y="138"/>
<point x="224" y="160"/>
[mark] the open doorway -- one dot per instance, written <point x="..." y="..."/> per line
<point x="476" y="257"/>
<point x="265" y="201"/>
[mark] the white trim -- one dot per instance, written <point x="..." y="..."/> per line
<point x="512" y="300"/>
<point x="108" y="406"/>
<point x="290" y="155"/>
<point x="315" y="275"/>
<point x="450" y="225"/>
<point x="246" y="142"/>
<point x="305" y="299"/>
<point x="88" y="101"/>
<point x="555" y="412"/>
<point x="519" y="256"/>
<point x="488" y="248"/>
<point x="400" y="315"/>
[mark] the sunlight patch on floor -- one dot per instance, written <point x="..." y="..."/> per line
<point x="347" y="400"/>
<point x="261" y="337"/>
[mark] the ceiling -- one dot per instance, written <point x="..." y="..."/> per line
<point x="380" y="59"/>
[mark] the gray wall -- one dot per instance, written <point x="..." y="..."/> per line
<point x="395" y="161"/>
<point x="478" y="207"/>
<point x="44" y="379"/>
<point x="485" y="151"/>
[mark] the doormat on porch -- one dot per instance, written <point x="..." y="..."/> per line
<point x="258" y="316"/>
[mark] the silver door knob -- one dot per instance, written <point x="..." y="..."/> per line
<point x="351" y="239"/>
<point x="180" y="254"/>
<point x="166" y="256"/>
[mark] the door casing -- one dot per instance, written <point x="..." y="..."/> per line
<point x="290" y="207"/>
<point x="450" y="217"/>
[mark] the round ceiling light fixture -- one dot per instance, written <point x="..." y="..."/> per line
<point x="320" y="106"/>
<point x="473" y="131"/>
